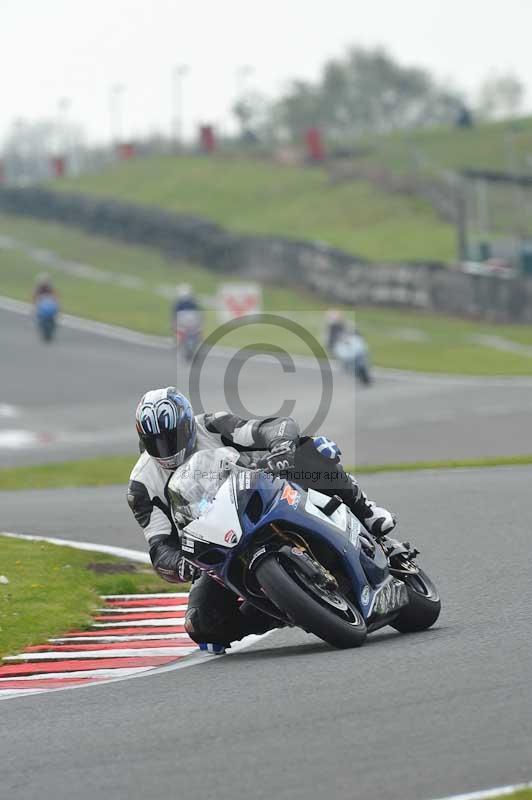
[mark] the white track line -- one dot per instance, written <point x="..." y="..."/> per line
<point x="81" y="673"/>
<point x="120" y="552"/>
<point x="91" y="326"/>
<point x="116" y="638"/>
<point x="135" y="337"/>
<point x="114" y="675"/>
<point x="484" y="794"/>
<point x="141" y="623"/>
<point x="8" y="411"/>
<point x="137" y="609"/>
<point x="143" y="596"/>
<point x="107" y="653"/>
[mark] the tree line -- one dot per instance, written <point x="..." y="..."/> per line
<point x="367" y="91"/>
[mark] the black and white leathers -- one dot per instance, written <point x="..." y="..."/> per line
<point x="147" y="491"/>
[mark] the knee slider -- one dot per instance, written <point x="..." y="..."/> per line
<point x="199" y="625"/>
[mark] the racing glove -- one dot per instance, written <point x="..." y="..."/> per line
<point x="281" y="458"/>
<point x="169" y="563"/>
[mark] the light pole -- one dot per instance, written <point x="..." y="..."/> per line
<point x="176" y="128"/>
<point x="115" y="111"/>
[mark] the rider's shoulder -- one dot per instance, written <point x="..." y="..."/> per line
<point x="145" y="468"/>
<point x="202" y="419"/>
<point x="209" y="418"/>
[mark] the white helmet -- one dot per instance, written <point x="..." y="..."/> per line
<point x="166" y="426"/>
<point x="184" y="290"/>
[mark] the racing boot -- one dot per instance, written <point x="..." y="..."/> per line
<point x="256" y="621"/>
<point x="378" y="521"/>
<point x="213" y="648"/>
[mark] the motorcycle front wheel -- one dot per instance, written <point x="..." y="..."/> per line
<point x="326" y="614"/>
<point x="424" y="604"/>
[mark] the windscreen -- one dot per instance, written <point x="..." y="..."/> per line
<point x="194" y="485"/>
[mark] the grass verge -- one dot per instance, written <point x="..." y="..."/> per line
<point x="54" y="589"/>
<point x="86" y="472"/>
<point x="417" y="466"/>
<point x="399" y="339"/>
<point x="116" y="470"/>
<point x="248" y="195"/>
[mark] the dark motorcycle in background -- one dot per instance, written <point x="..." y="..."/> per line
<point x="298" y="556"/>
<point x="46" y="311"/>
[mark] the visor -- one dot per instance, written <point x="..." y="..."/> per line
<point x="161" y="445"/>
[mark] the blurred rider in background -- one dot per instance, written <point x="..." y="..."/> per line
<point x="334" y="328"/>
<point x="43" y="288"/>
<point x="46" y="306"/>
<point x="186" y="307"/>
<point x="187" y="320"/>
<point x="351" y="348"/>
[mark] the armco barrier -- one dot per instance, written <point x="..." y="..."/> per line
<point x="331" y="273"/>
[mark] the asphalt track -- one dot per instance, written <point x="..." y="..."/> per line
<point x="416" y="717"/>
<point x="76" y="399"/>
<point x="411" y="716"/>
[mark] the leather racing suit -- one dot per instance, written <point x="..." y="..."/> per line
<point x="275" y="443"/>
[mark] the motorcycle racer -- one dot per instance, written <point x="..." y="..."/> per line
<point x="169" y="434"/>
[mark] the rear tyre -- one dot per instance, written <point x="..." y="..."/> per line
<point x="424" y="604"/>
<point x="325" y="614"/>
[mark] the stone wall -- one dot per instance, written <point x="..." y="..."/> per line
<point x="331" y="273"/>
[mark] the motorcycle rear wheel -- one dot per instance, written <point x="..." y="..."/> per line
<point x="331" y="618"/>
<point x="424" y="604"/>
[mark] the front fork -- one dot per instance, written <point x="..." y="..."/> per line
<point x="400" y="555"/>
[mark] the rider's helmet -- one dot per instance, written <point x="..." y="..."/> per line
<point x="184" y="291"/>
<point x="333" y="316"/>
<point x="166" y="426"/>
<point x="43" y="282"/>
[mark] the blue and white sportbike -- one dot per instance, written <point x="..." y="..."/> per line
<point x="299" y="556"/>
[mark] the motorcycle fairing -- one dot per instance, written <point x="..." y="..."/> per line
<point x="220" y="523"/>
<point x="271" y="502"/>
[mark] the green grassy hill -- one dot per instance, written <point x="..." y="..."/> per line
<point x="258" y="196"/>
<point x="362" y="216"/>
<point x="489" y="146"/>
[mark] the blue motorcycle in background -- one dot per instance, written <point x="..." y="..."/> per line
<point x="46" y="311"/>
<point x="299" y="556"/>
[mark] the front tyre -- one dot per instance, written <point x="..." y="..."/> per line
<point x="326" y="614"/>
<point x="424" y="604"/>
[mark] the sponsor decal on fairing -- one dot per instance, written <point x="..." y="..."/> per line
<point x="291" y="496"/>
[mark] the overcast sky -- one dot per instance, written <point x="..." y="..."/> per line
<point x="79" y="49"/>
